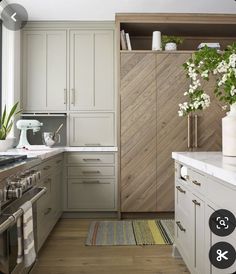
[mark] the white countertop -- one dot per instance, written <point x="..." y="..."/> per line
<point x="211" y="163"/>
<point x="44" y="152"/>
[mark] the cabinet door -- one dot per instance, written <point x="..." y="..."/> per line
<point x="92" y="70"/>
<point x="208" y="123"/>
<point x="172" y="130"/>
<point x="44" y="70"/>
<point x="95" y="129"/>
<point x="199" y="239"/>
<point x="138" y="132"/>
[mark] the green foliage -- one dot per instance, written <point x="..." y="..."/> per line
<point x="171" y="39"/>
<point x="6" y="121"/>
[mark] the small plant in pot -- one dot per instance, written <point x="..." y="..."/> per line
<point x="171" y="42"/>
<point x="6" y="124"/>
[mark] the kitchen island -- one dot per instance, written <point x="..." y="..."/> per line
<point x="204" y="183"/>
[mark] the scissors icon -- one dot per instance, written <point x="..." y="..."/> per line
<point x="221" y="255"/>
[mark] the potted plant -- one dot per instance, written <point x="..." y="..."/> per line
<point x="171" y="42"/>
<point x="222" y="65"/>
<point x="6" y="123"/>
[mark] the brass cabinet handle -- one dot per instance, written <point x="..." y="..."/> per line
<point x="180" y="226"/>
<point x="196" y="202"/>
<point x="196" y="131"/>
<point x="72" y="96"/>
<point x="189" y="131"/>
<point x="180" y="189"/>
<point x="91" y="172"/>
<point x="196" y="183"/>
<point x="91" y="160"/>
<point x="47" y="211"/>
<point x="65" y="96"/>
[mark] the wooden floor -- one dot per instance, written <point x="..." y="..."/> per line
<point x="65" y="253"/>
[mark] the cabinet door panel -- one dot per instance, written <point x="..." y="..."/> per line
<point x="104" y="70"/>
<point x="138" y="132"/>
<point x="171" y="129"/>
<point x="208" y="127"/>
<point x="82" y="70"/>
<point x="92" y="129"/>
<point x="56" y="70"/>
<point x="34" y="70"/>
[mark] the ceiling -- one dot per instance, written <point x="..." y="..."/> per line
<point x="106" y="9"/>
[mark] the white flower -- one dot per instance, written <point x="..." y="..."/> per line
<point x="205" y="74"/>
<point x="232" y="60"/>
<point x="233" y="91"/>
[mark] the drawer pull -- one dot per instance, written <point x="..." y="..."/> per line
<point x="196" y="202"/>
<point x="58" y="162"/>
<point x="91" y="182"/>
<point x="180" y="189"/>
<point x="91" y="172"/>
<point x="47" y="211"/>
<point x="46" y="167"/>
<point x="93" y="145"/>
<point x="91" y="160"/>
<point x="196" y="183"/>
<point x="180" y="226"/>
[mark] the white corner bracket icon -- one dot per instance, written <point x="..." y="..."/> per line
<point x="13" y="17"/>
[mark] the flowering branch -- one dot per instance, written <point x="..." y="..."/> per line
<point x="205" y="63"/>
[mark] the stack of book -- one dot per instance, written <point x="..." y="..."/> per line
<point x="125" y="41"/>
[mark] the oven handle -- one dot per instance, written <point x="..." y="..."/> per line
<point x="12" y="219"/>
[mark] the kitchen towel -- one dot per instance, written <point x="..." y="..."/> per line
<point x="26" y="236"/>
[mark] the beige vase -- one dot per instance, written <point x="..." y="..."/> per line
<point x="229" y="132"/>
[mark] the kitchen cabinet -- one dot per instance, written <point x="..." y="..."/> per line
<point x="196" y="198"/>
<point x="44" y="70"/>
<point x="49" y="208"/>
<point x="92" y="129"/>
<point x="91" y="70"/>
<point x="91" y="181"/>
<point x="151" y="128"/>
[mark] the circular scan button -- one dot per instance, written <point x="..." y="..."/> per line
<point x="222" y="222"/>
<point x="14" y="17"/>
<point x="222" y="255"/>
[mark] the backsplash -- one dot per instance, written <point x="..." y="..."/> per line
<point x="50" y="123"/>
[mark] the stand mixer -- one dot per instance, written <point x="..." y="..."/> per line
<point x="23" y="126"/>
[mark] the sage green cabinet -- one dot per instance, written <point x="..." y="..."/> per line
<point x="44" y="84"/>
<point x="91" y="70"/>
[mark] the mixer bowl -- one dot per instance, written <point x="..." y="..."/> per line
<point x="50" y="138"/>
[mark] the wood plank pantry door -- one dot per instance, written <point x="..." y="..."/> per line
<point x="171" y="129"/>
<point x="138" y="132"/>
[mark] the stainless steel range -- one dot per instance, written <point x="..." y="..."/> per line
<point x="18" y="184"/>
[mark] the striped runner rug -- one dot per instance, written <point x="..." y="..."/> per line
<point x="137" y="232"/>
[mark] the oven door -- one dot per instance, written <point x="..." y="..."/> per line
<point x="8" y="238"/>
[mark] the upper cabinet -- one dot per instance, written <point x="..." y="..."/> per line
<point x="65" y="69"/>
<point x="44" y="70"/>
<point x="91" y="70"/>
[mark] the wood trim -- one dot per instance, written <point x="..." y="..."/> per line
<point x="194" y="18"/>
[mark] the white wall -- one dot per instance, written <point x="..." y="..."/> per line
<point x="106" y="9"/>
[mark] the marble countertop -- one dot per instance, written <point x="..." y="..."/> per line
<point x="211" y="163"/>
<point x="44" y="152"/>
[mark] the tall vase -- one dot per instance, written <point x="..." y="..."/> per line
<point x="229" y="132"/>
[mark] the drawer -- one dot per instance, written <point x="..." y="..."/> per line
<point x="88" y="129"/>
<point x="90" y="158"/>
<point x="91" y="171"/>
<point x="91" y="194"/>
<point x="197" y="180"/>
<point x="51" y="165"/>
